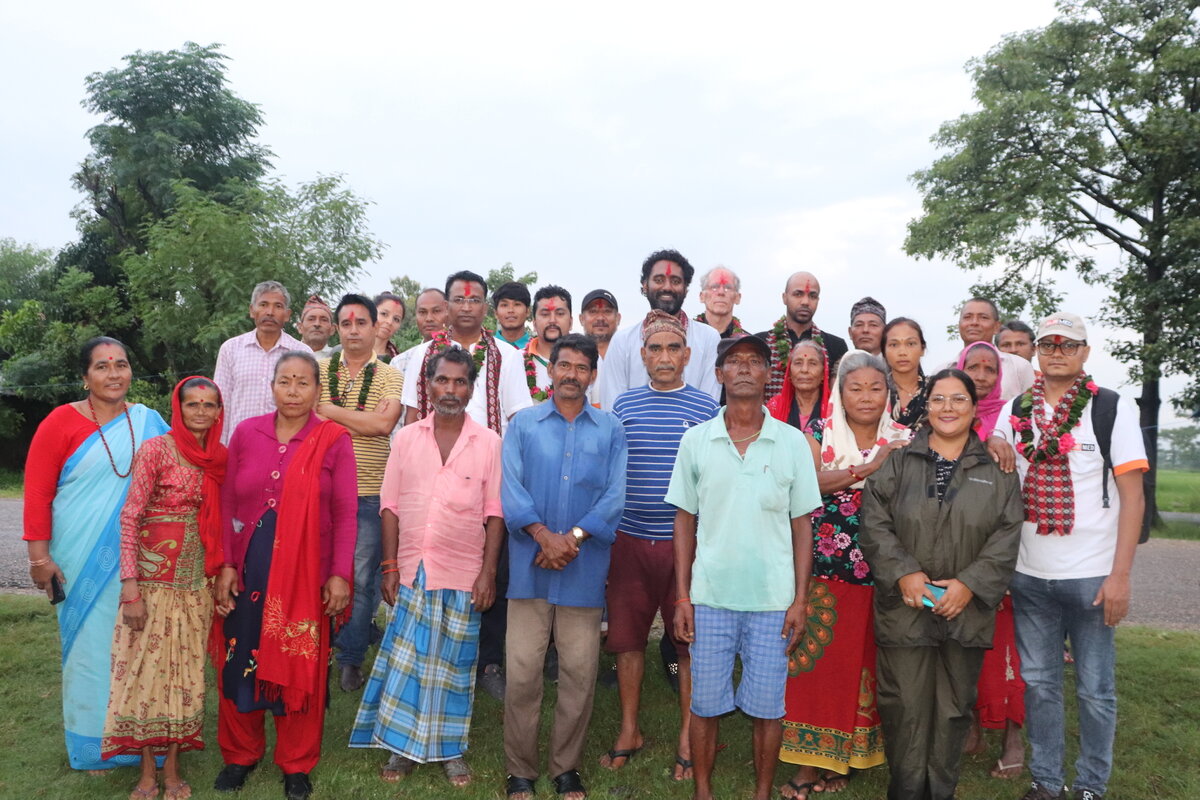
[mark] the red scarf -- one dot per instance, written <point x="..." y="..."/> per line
<point x="293" y="651"/>
<point x="211" y="459"/>
<point x="1048" y="490"/>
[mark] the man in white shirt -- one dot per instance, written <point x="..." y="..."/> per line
<point x="979" y="321"/>
<point x="666" y="276"/>
<point x="599" y="318"/>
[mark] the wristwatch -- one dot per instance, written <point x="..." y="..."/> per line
<point x="580" y="534"/>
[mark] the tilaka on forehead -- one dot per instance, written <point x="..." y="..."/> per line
<point x="466" y="289"/>
<point x="550" y="306"/>
<point x="669" y="269"/>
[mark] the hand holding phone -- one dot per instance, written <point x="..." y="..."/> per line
<point x="937" y="592"/>
<point x="57" y="595"/>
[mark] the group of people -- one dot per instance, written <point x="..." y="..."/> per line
<point x="895" y="558"/>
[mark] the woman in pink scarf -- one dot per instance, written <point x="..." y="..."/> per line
<point x="981" y="361"/>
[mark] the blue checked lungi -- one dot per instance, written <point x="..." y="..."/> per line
<point x="755" y="636"/>
<point x="418" y="700"/>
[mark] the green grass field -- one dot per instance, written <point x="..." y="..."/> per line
<point x="1178" y="491"/>
<point x="12" y="483"/>
<point x="1158" y="736"/>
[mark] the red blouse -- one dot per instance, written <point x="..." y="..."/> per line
<point x="60" y="435"/>
<point x="160" y="485"/>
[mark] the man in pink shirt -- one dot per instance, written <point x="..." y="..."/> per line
<point x="442" y="484"/>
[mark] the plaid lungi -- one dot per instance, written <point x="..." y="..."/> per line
<point x="418" y="700"/>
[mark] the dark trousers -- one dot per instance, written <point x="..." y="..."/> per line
<point x="493" y="623"/>
<point x="925" y="699"/>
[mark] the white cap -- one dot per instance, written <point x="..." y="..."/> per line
<point x="1064" y="324"/>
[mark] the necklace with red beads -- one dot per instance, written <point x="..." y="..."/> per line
<point x="132" y="441"/>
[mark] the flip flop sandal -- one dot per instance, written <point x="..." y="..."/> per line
<point x="139" y="793"/>
<point x="628" y="755"/>
<point x="682" y="762"/>
<point x="178" y="791"/>
<point x="1002" y="767"/>
<point x="806" y="788"/>
<point x="457" y="768"/>
<point x="834" y="776"/>
<point x="401" y="765"/>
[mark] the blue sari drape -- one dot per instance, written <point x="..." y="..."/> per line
<point x="86" y="545"/>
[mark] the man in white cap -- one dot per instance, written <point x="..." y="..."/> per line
<point x="1077" y="548"/>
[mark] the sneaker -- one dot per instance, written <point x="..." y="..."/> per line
<point x="1039" y="792"/>
<point x="491" y="680"/>
<point x="1087" y="794"/>
<point x="233" y="777"/>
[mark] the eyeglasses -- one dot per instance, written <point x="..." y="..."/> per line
<point x="954" y="400"/>
<point x="466" y="301"/>
<point x="1068" y="348"/>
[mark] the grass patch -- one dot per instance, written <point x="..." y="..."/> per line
<point x="12" y="483"/>
<point x="1188" y="531"/>
<point x="1159" y="734"/>
<point x="1178" y="490"/>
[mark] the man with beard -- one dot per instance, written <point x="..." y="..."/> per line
<point x="599" y="318"/>
<point x="563" y="493"/>
<point x="720" y="291"/>
<point x="551" y="321"/>
<point x="362" y="394"/>
<point x="246" y="363"/>
<point x="801" y="296"/>
<point x="666" y="276"/>
<point x="442" y="533"/>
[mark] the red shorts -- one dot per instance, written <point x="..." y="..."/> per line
<point x="641" y="581"/>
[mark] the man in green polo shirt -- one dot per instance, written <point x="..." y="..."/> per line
<point x="743" y="486"/>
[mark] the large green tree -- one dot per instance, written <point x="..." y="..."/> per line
<point x="1084" y="156"/>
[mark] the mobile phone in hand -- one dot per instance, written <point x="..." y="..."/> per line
<point x="937" y="591"/>
<point x="57" y="595"/>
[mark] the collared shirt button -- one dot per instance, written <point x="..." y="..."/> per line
<point x="564" y="477"/>
<point x="283" y="448"/>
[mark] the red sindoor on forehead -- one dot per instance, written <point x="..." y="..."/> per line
<point x="806" y="285"/>
<point x="352" y="315"/>
<point x="466" y="289"/>
<point x="723" y="279"/>
<point x="600" y="304"/>
<point x="669" y="273"/>
<point x="550" y="306"/>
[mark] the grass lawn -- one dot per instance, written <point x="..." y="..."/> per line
<point x="12" y="483"/>
<point x="1158" y="736"/>
<point x="1178" y="490"/>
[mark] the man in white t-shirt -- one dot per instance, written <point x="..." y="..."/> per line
<point x="1076" y="555"/>
<point x="979" y="321"/>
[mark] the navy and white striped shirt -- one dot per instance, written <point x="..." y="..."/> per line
<point x="654" y="423"/>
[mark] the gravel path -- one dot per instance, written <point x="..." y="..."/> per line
<point x="1166" y="575"/>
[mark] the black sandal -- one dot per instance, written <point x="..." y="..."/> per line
<point x="569" y="782"/>
<point x="516" y="785"/>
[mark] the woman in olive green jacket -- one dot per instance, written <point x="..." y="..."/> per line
<point x="941" y="527"/>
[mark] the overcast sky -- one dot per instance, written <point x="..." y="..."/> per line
<point x="770" y="137"/>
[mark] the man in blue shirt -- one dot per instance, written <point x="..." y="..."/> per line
<point x="641" y="579"/>
<point x="563" y="492"/>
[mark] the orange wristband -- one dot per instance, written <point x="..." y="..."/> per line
<point x="683" y="600"/>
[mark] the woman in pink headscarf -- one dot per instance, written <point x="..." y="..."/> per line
<point x="1001" y="692"/>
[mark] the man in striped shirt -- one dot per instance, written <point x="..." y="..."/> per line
<point x="641" y="578"/>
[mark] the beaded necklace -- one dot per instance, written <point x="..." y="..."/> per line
<point x="132" y="440"/>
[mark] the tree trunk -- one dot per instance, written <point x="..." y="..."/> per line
<point x="1148" y="405"/>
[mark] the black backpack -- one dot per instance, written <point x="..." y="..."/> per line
<point x="1104" y="416"/>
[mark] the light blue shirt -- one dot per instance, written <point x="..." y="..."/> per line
<point x="562" y="474"/>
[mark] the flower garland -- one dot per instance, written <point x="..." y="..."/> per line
<point x="738" y="330"/>
<point x="364" y="391"/>
<point x="536" y="392"/>
<point x="779" y="341"/>
<point x="1058" y="440"/>
<point x="441" y="340"/>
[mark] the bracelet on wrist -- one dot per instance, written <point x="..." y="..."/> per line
<point x="41" y="562"/>
<point x="390" y="570"/>
<point x="683" y="600"/>
<point x="853" y="474"/>
<point x="391" y="562"/>
<point x="125" y="602"/>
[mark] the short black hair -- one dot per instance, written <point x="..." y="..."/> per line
<point x="580" y="344"/>
<point x="355" y="300"/>
<point x="903" y="321"/>
<point x="395" y="298"/>
<point x="951" y="372"/>
<point x="453" y="355"/>
<point x="513" y="290"/>
<point x="85" y="352"/>
<point x="989" y="301"/>
<point x="1018" y="327"/>
<point x="675" y="257"/>
<point x="550" y="290"/>
<point x="199" y="382"/>
<point x="468" y="276"/>
<point x="304" y="356"/>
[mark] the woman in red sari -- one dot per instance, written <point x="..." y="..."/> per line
<point x="290" y="511"/>
<point x="1001" y="692"/>
<point x="170" y="546"/>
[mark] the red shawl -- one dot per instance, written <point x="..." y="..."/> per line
<point x="211" y="459"/>
<point x="781" y="404"/>
<point x="293" y="651"/>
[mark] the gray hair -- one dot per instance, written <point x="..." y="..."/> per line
<point x="859" y="359"/>
<point x="810" y="343"/>
<point x="271" y="286"/>
<point x="737" y="282"/>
